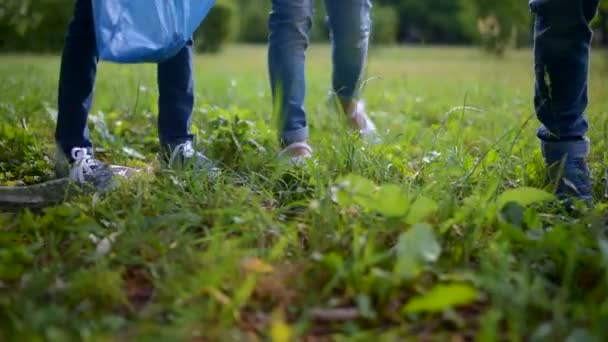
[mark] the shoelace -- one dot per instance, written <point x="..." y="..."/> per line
<point x="82" y="165"/>
<point x="186" y="150"/>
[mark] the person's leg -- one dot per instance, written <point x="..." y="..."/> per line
<point x="76" y="81"/>
<point x="350" y="23"/>
<point x="289" y="24"/>
<point x="175" y="104"/>
<point x="561" y="49"/>
<point x="176" y="98"/>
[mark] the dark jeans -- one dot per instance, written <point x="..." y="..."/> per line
<point x="562" y="41"/>
<point x="77" y="79"/>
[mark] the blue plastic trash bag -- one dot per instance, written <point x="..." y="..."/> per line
<point x="138" y="31"/>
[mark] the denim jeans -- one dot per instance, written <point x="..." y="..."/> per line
<point x="562" y="42"/>
<point x="77" y="79"/>
<point x="290" y="24"/>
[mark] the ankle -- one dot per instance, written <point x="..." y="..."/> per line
<point x="349" y="106"/>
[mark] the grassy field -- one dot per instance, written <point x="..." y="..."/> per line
<point x="445" y="231"/>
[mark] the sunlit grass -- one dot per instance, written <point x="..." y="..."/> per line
<point x="310" y="252"/>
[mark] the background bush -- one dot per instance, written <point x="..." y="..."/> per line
<point x="499" y="24"/>
<point x="217" y="29"/>
<point x="254" y="21"/>
<point x="385" y="25"/>
<point x="39" y="25"/>
<point x="33" y="27"/>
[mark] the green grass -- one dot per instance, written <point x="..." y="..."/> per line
<point x="420" y="237"/>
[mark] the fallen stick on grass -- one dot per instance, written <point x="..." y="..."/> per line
<point x="335" y="314"/>
<point x="51" y="192"/>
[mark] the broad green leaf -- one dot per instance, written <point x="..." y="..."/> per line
<point x="442" y="297"/>
<point x="353" y="189"/>
<point x="390" y="201"/>
<point x="422" y="209"/>
<point x="333" y="261"/>
<point x="416" y="247"/>
<point x="256" y="265"/>
<point x="365" y="306"/>
<point x="280" y="331"/>
<point x="490" y="323"/>
<point x="524" y="196"/>
<point x="131" y="152"/>
<point x="387" y="200"/>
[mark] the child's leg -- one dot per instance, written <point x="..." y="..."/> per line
<point x="176" y="98"/>
<point x="176" y="102"/>
<point x="77" y="79"/>
<point x="290" y="23"/>
<point x="349" y="22"/>
<point x="561" y="49"/>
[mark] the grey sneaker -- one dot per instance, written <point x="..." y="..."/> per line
<point x="568" y="168"/>
<point x="184" y="155"/>
<point x="84" y="169"/>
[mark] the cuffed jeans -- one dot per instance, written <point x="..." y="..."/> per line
<point x="290" y="24"/>
<point x="77" y="79"/>
<point x="562" y="40"/>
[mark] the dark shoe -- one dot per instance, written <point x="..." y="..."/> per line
<point x="184" y="156"/>
<point x="81" y="167"/>
<point x="568" y="168"/>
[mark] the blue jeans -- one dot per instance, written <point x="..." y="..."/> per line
<point x="77" y="79"/>
<point x="290" y="24"/>
<point x="562" y="41"/>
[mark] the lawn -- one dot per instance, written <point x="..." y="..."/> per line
<point x="445" y="231"/>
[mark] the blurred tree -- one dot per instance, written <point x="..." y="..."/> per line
<point x="253" y="21"/>
<point x="385" y="25"/>
<point x="218" y="28"/>
<point x="36" y="26"/>
<point x="499" y="24"/>
<point x="19" y="14"/>
<point x="601" y="23"/>
<point x="39" y="25"/>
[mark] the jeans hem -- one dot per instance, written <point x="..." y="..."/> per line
<point x="298" y="135"/>
<point x="173" y="142"/>
<point x="555" y="151"/>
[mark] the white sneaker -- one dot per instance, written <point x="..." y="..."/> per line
<point x="361" y="121"/>
<point x="297" y="153"/>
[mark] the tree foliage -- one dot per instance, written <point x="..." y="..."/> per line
<point x="218" y="28"/>
<point x="39" y="25"/>
<point x="500" y="24"/>
<point x="385" y="25"/>
<point x="430" y="21"/>
<point x="601" y="23"/>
